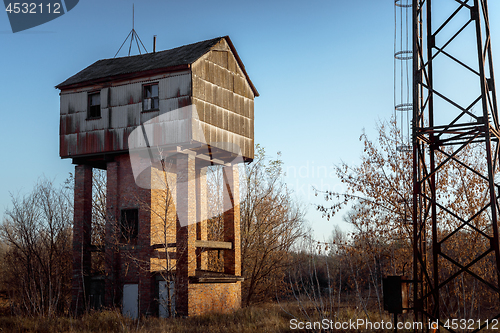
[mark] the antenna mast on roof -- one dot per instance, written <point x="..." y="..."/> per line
<point x="133" y="35"/>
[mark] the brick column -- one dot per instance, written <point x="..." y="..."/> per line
<point x="201" y="215"/>
<point x="82" y="232"/>
<point x="232" y="258"/>
<point x="186" y="229"/>
<point x="112" y="262"/>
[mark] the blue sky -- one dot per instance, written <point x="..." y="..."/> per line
<point x="324" y="70"/>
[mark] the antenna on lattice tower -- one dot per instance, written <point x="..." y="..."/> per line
<point x="133" y="36"/>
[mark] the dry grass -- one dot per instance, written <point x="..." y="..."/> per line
<point x="255" y="319"/>
<point x="252" y="320"/>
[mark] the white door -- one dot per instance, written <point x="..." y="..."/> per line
<point x="163" y="294"/>
<point x="130" y="300"/>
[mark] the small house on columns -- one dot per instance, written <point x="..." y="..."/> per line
<point x="155" y="122"/>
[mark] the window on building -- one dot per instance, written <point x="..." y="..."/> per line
<point x="129" y="224"/>
<point x="150" y="100"/>
<point x="94" y="105"/>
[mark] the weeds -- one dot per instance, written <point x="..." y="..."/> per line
<point x="255" y="319"/>
<point x="251" y="320"/>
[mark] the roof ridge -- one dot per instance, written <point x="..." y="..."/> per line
<point x="111" y="67"/>
<point x="167" y="50"/>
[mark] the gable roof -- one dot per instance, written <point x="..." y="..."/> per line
<point x="106" y="70"/>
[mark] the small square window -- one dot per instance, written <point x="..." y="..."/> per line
<point x="150" y="100"/>
<point x="129" y="224"/>
<point x="94" y="105"/>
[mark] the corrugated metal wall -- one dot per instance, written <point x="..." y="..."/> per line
<point x="221" y="94"/>
<point x="119" y="117"/>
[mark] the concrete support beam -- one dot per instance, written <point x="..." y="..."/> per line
<point x="214" y="245"/>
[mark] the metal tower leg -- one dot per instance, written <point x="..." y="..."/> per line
<point x="455" y="133"/>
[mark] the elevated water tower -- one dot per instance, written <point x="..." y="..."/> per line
<point x="155" y="122"/>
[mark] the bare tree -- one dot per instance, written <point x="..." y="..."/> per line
<point x="164" y="229"/>
<point x="3" y="252"/>
<point x="271" y="222"/>
<point x="99" y="180"/>
<point x="160" y="203"/>
<point x="37" y="230"/>
<point x="98" y="224"/>
<point x="379" y="191"/>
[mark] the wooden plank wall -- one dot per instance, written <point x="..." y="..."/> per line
<point x="224" y="99"/>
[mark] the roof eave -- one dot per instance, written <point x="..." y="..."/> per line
<point x="123" y="77"/>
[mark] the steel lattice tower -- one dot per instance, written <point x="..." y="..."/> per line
<point x="455" y="132"/>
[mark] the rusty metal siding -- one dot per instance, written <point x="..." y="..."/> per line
<point x="64" y="104"/>
<point x="104" y="97"/>
<point x="71" y="103"/>
<point x="121" y="113"/>
<point x="86" y="142"/>
<point x="68" y="144"/>
<point x="175" y="86"/>
<point x="146" y="116"/>
<point x="126" y="94"/>
<point x="170" y="104"/>
<point x="216" y="86"/>
<point x="82" y="136"/>
<point x="118" y="138"/>
<point x="65" y="125"/>
<point x="93" y="124"/>
<point x="170" y="129"/>
<point x="126" y="115"/>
